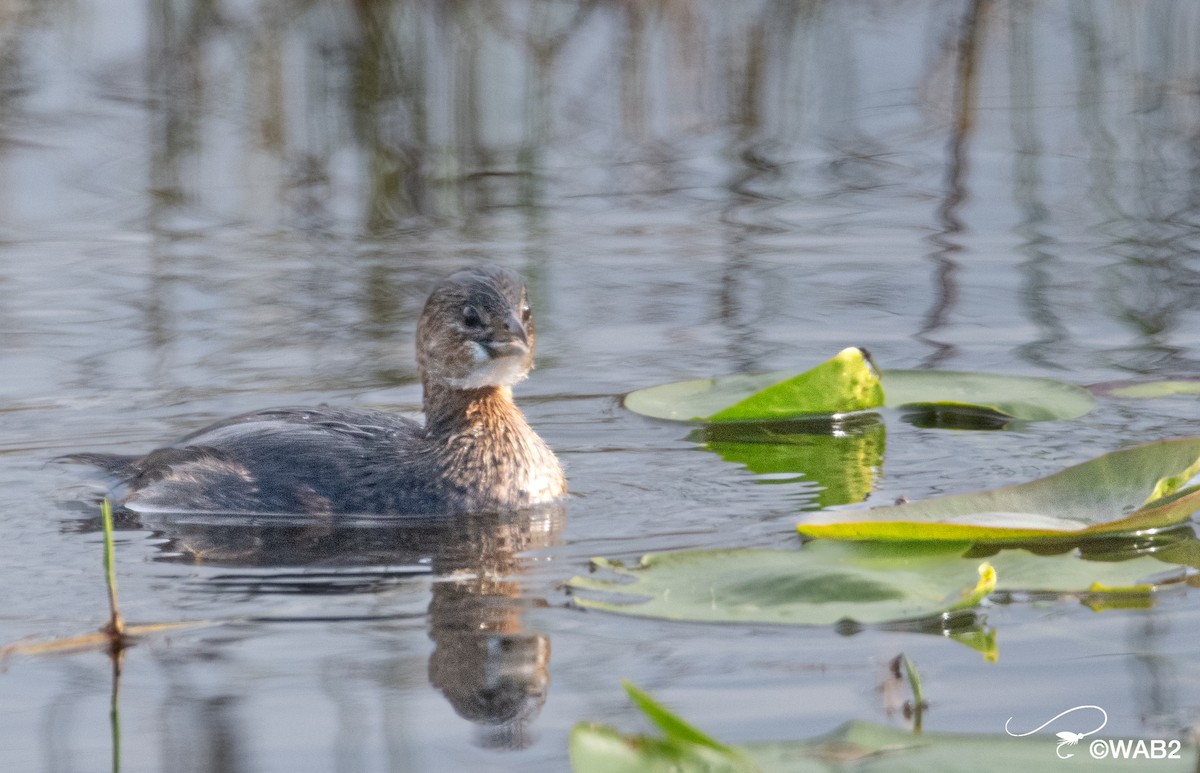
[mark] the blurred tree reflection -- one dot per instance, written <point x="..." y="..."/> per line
<point x="384" y="117"/>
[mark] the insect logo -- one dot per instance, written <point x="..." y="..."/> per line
<point x="1066" y="737"/>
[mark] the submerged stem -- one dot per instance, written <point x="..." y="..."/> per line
<point x="114" y="711"/>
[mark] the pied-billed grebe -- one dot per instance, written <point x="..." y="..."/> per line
<point x="474" y="453"/>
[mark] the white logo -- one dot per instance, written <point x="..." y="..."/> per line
<point x="1067" y="738"/>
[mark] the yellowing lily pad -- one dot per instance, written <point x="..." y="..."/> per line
<point x="848" y="383"/>
<point x="1137" y="489"/>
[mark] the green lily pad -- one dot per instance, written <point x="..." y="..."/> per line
<point x="855" y="746"/>
<point x="1025" y="398"/>
<point x="844" y="384"/>
<point x="841" y="385"/>
<point x="1133" y="490"/>
<point x="827" y="582"/>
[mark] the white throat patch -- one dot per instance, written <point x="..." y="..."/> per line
<point x="491" y="372"/>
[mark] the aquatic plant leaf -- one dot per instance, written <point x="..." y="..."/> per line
<point x="970" y="397"/>
<point x="773" y="587"/>
<point x="599" y="749"/>
<point x="855" y="746"/>
<point x="827" y="582"/>
<point x="1025" y="398"/>
<point x="843" y="384"/>
<point x="671" y="725"/>
<point x="1132" y="490"/>
<point x="682" y="747"/>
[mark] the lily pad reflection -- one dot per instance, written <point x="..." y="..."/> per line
<point x="841" y="455"/>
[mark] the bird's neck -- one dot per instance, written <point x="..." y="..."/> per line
<point x="453" y="411"/>
<point x="480" y="436"/>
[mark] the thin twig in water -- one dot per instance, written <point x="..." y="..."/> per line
<point x="116" y="625"/>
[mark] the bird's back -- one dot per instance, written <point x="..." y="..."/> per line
<point x="294" y="460"/>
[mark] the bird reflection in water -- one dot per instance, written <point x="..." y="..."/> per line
<point x="492" y="671"/>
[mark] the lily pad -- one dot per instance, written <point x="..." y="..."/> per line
<point x="844" y="384"/>
<point x="1129" y="491"/>
<point x="1026" y="398"/>
<point x="827" y="582"/>
<point x="855" y="746"/>
<point x="780" y="394"/>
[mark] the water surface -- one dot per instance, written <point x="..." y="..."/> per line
<point x="211" y="207"/>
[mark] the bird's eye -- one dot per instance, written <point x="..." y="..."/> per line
<point x="525" y="313"/>
<point x="471" y="318"/>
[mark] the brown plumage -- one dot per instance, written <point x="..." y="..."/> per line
<point x="474" y="453"/>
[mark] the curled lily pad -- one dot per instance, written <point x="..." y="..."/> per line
<point x="834" y="582"/>
<point x="1137" y="489"/>
<point x="842" y="384"/>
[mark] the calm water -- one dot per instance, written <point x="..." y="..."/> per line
<point x="210" y="207"/>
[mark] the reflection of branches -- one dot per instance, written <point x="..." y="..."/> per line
<point x="388" y="76"/>
<point x="1027" y="194"/>
<point x="419" y="132"/>
<point x="1151" y="282"/>
<point x="946" y="283"/>
<point x="756" y="167"/>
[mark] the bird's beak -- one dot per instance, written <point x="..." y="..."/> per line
<point x="511" y="341"/>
